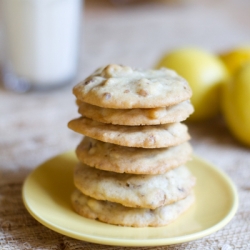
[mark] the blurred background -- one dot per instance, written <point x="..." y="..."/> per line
<point x="33" y="124"/>
<point x="139" y="32"/>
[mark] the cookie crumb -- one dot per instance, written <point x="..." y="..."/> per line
<point x="142" y="92"/>
<point x="88" y="81"/>
<point x="92" y="151"/>
<point x="113" y="70"/>
<point x="107" y="96"/>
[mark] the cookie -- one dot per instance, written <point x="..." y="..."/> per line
<point x="115" y="158"/>
<point x="132" y="117"/>
<point x="117" y="214"/>
<point x="147" y="191"/>
<point x="154" y="136"/>
<point x="121" y="87"/>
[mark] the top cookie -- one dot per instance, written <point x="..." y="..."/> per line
<point x="122" y="87"/>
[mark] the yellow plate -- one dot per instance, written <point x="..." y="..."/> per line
<point x="47" y="190"/>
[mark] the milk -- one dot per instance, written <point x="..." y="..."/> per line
<point x="41" y="40"/>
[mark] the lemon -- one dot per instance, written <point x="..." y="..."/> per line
<point x="204" y="72"/>
<point x="235" y="58"/>
<point x="236" y="104"/>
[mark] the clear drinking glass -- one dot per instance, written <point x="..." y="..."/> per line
<point x="41" y="42"/>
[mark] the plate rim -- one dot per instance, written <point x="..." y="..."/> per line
<point x="138" y="242"/>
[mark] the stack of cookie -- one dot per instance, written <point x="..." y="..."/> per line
<point x="131" y="168"/>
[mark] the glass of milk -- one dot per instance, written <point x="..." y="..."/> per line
<point x="41" y="42"/>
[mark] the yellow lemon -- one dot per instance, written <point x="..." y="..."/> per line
<point x="235" y="58"/>
<point x="236" y="104"/>
<point x="204" y="72"/>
